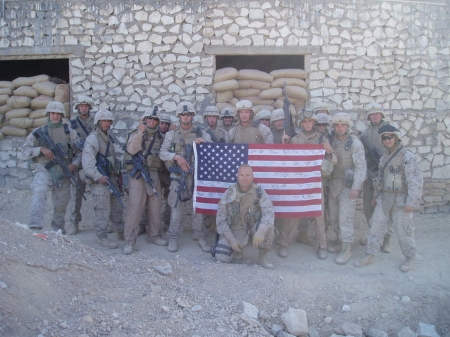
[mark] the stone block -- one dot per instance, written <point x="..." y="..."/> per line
<point x="349" y="329"/>
<point x="407" y="332"/>
<point x="295" y="322"/>
<point x="376" y="333"/>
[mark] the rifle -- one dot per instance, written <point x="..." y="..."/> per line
<point x="45" y="141"/>
<point x="374" y="155"/>
<point x="287" y="114"/>
<point x="182" y="183"/>
<point x="140" y="169"/>
<point x="102" y="164"/>
<point x="214" y="138"/>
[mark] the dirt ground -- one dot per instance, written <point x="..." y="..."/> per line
<point x="69" y="286"/>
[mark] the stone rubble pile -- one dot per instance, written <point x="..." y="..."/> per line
<point x="23" y="102"/>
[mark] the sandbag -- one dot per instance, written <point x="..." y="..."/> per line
<point x="240" y="93"/>
<point x="62" y="93"/>
<point x="220" y="106"/>
<point x="6" y="84"/>
<point x="18" y="113"/>
<point x="23" y="123"/>
<point x="40" y="102"/>
<point x="45" y="88"/>
<point x="4" y="123"/>
<point x="294" y="102"/>
<point x="253" y="74"/>
<point x="2" y="118"/>
<point x="258" y="108"/>
<point x="39" y="122"/>
<point x="225" y="74"/>
<point x="224" y="96"/>
<point x="3" y="99"/>
<point x="37" y="114"/>
<point x="279" y="82"/>
<point x="41" y="78"/>
<point x="29" y="81"/>
<point x="10" y="130"/>
<point x="233" y="101"/>
<point x="2" y="136"/>
<point x="247" y="84"/>
<point x="26" y="91"/>
<point x="296" y="92"/>
<point x="6" y="91"/>
<point x="5" y="108"/>
<point x="18" y="102"/>
<point x="67" y="108"/>
<point x="259" y="101"/>
<point x="297" y="73"/>
<point x="273" y="93"/>
<point x="226" y="85"/>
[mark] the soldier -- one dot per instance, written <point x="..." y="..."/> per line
<point x="323" y="123"/>
<point x="164" y="174"/>
<point x="177" y="147"/>
<point x="307" y="135"/>
<point x="246" y="131"/>
<point x="398" y="190"/>
<point x="99" y="145"/>
<point x="345" y="185"/>
<point x="374" y="150"/>
<point x="264" y="117"/>
<point x="145" y="142"/>
<point x="218" y="135"/>
<point x="244" y="211"/>
<point x="321" y="107"/>
<point x="83" y="124"/>
<point x="227" y="116"/>
<point x="277" y="119"/>
<point x="48" y="174"/>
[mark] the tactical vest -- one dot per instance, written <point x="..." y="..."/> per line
<point x="184" y="137"/>
<point x="60" y="135"/>
<point x="245" y="212"/>
<point x="344" y="166"/>
<point x="217" y="135"/>
<point x="394" y="179"/>
<point x="277" y="136"/>
<point x="83" y="127"/>
<point x="149" y="139"/>
<point x="374" y="138"/>
<point x="106" y="148"/>
<point x="247" y="135"/>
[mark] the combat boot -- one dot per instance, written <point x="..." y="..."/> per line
<point x="120" y="236"/>
<point x="72" y="228"/>
<point x="157" y="241"/>
<point x="303" y="238"/>
<point x="34" y="226"/>
<point x="203" y="245"/>
<point x="173" y="246"/>
<point x="345" y="254"/>
<point x="335" y="249"/>
<point x="407" y="265"/>
<point x="366" y="260"/>
<point x="106" y="242"/>
<point x="387" y="247"/>
<point x="322" y="253"/>
<point x="128" y="249"/>
<point x="263" y="260"/>
<point x="282" y="252"/>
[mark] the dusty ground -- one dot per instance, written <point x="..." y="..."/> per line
<point x="69" y="286"/>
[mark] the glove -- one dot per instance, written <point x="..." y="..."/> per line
<point x="258" y="238"/>
<point x="234" y="243"/>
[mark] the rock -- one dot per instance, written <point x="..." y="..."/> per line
<point x="376" y="333"/>
<point x="162" y="267"/>
<point x="406" y="332"/>
<point x="276" y="328"/>
<point x="406" y="299"/>
<point x="87" y="319"/>
<point x="328" y="320"/>
<point x="196" y="308"/>
<point x="349" y="329"/>
<point x="345" y="308"/>
<point x="295" y="321"/>
<point x="165" y="308"/>
<point x="328" y="308"/>
<point x="250" y="310"/>
<point x="63" y="325"/>
<point x="426" y="330"/>
<point x="312" y="332"/>
<point x="284" y="334"/>
<point x="182" y="302"/>
<point x="249" y="320"/>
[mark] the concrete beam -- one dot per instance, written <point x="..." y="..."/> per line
<point x="251" y="50"/>
<point x="41" y="52"/>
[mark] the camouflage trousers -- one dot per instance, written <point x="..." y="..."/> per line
<point x="76" y="196"/>
<point x="138" y="200"/>
<point x="107" y="208"/>
<point x="181" y="213"/>
<point x="342" y="215"/>
<point x="222" y="254"/>
<point x="368" y="192"/>
<point x="164" y="179"/>
<point x="41" y="184"/>
<point x="403" y="227"/>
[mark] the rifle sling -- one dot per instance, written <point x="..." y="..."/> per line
<point x="82" y="126"/>
<point x="149" y="150"/>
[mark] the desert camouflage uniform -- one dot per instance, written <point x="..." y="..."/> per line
<point x="164" y="180"/>
<point x="243" y="213"/>
<point x="43" y="181"/>
<point x="141" y="195"/>
<point x="390" y="205"/>
<point x="76" y="194"/>
<point x="174" y="144"/>
<point x="250" y="134"/>
<point x="350" y="158"/>
<point x="106" y="206"/>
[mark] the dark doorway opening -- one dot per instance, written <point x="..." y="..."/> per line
<point x="11" y="69"/>
<point x="265" y="63"/>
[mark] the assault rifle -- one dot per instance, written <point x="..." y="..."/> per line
<point x="102" y="164"/>
<point x="374" y="155"/>
<point x="140" y="169"/>
<point x="182" y="181"/>
<point x="214" y="138"/>
<point x="45" y="141"/>
<point x="287" y="113"/>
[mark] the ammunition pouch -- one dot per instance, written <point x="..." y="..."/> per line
<point x="88" y="180"/>
<point x="393" y="183"/>
<point x="348" y="177"/>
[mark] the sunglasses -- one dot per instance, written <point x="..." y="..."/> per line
<point x="228" y="117"/>
<point x="321" y="124"/>
<point x="387" y="137"/>
<point x="266" y="119"/>
<point x="186" y="114"/>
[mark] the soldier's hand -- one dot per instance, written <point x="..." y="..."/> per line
<point x="354" y="194"/>
<point x="236" y="245"/>
<point x="47" y="153"/>
<point x="408" y="209"/>
<point x="199" y="140"/>
<point x="103" y="180"/>
<point x="182" y="162"/>
<point x="258" y="238"/>
<point x="142" y="127"/>
<point x="327" y="146"/>
<point x="285" y="139"/>
<point x="373" y="202"/>
<point x="71" y="167"/>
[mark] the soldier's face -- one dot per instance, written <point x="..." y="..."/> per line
<point x="105" y="125"/>
<point x="375" y="118"/>
<point x="211" y="120"/>
<point x="389" y="140"/>
<point x="245" y="115"/>
<point x="55" y="117"/>
<point x="151" y="122"/>
<point x="164" y="127"/>
<point x="321" y="128"/>
<point x="84" y="109"/>
<point x="340" y="129"/>
<point x="279" y="124"/>
<point x="245" y="178"/>
<point x="266" y="122"/>
<point x="186" y="118"/>
<point x="308" y="124"/>
<point x="228" y="120"/>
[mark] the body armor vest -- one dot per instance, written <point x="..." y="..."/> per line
<point x="244" y="211"/>
<point x="217" y="135"/>
<point x="83" y="127"/>
<point x="106" y="148"/>
<point x="184" y="137"/>
<point x="374" y="138"/>
<point x="247" y="135"/>
<point x="60" y="135"/>
<point x="153" y="139"/>
<point x="394" y="179"/>
<point x="344" y="165"/>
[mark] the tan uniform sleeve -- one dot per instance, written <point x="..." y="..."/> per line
<point x="90" y="150"/>
<point x="359" y="160"/>
<point x="414" y="179"/>
<point x="221" y="216"/>
<point x="31" y="148"/>
<point x="266" y="134"/>
<point x="134" y="143"/>
<point x="75" y="139"/>
<point x="231" y="133"/>
<point x="164" y="152"/>
<point x="267" y="213"/>
<point x="332" y="157"/>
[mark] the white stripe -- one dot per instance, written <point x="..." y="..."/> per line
<point x="287" y="163"/>
<point x="273" y="152"/>
<point x="296" y="209"/>
<point x="315" y="196"/>
<point x="213" y="184"/>
<point x="206" y="206"/>
<point x="293" y="187"/>
<point x="287" y="175"/>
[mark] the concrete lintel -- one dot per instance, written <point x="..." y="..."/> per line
<point x="251" y="50"/>
<point x="41" y="52"/>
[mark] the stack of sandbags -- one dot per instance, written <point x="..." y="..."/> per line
<point x="23" y="102"/>
<point x="264" y="90"/>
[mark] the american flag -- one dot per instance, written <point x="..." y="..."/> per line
<point x="289" y="173"/>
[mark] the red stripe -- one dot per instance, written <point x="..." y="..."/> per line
<point x="205" y="211"/>
<point x="293" y="192"/>
<point x="285" y="157"/>
<point x="287" y="180"/>
<point x="286" y="169"/>
<point x="204" y="200"/>
<point x="311" y="214"/>
<point x="211" y="189"/>
<point x="285" y="146"/>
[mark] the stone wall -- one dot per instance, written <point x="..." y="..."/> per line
<point x="131" y="56"/>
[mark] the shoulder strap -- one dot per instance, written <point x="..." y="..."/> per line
<point x="82" y="126"/>
<point x="392" y="156"/>
<point x="349" y="143"/>
<point x="66" y="129"/>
